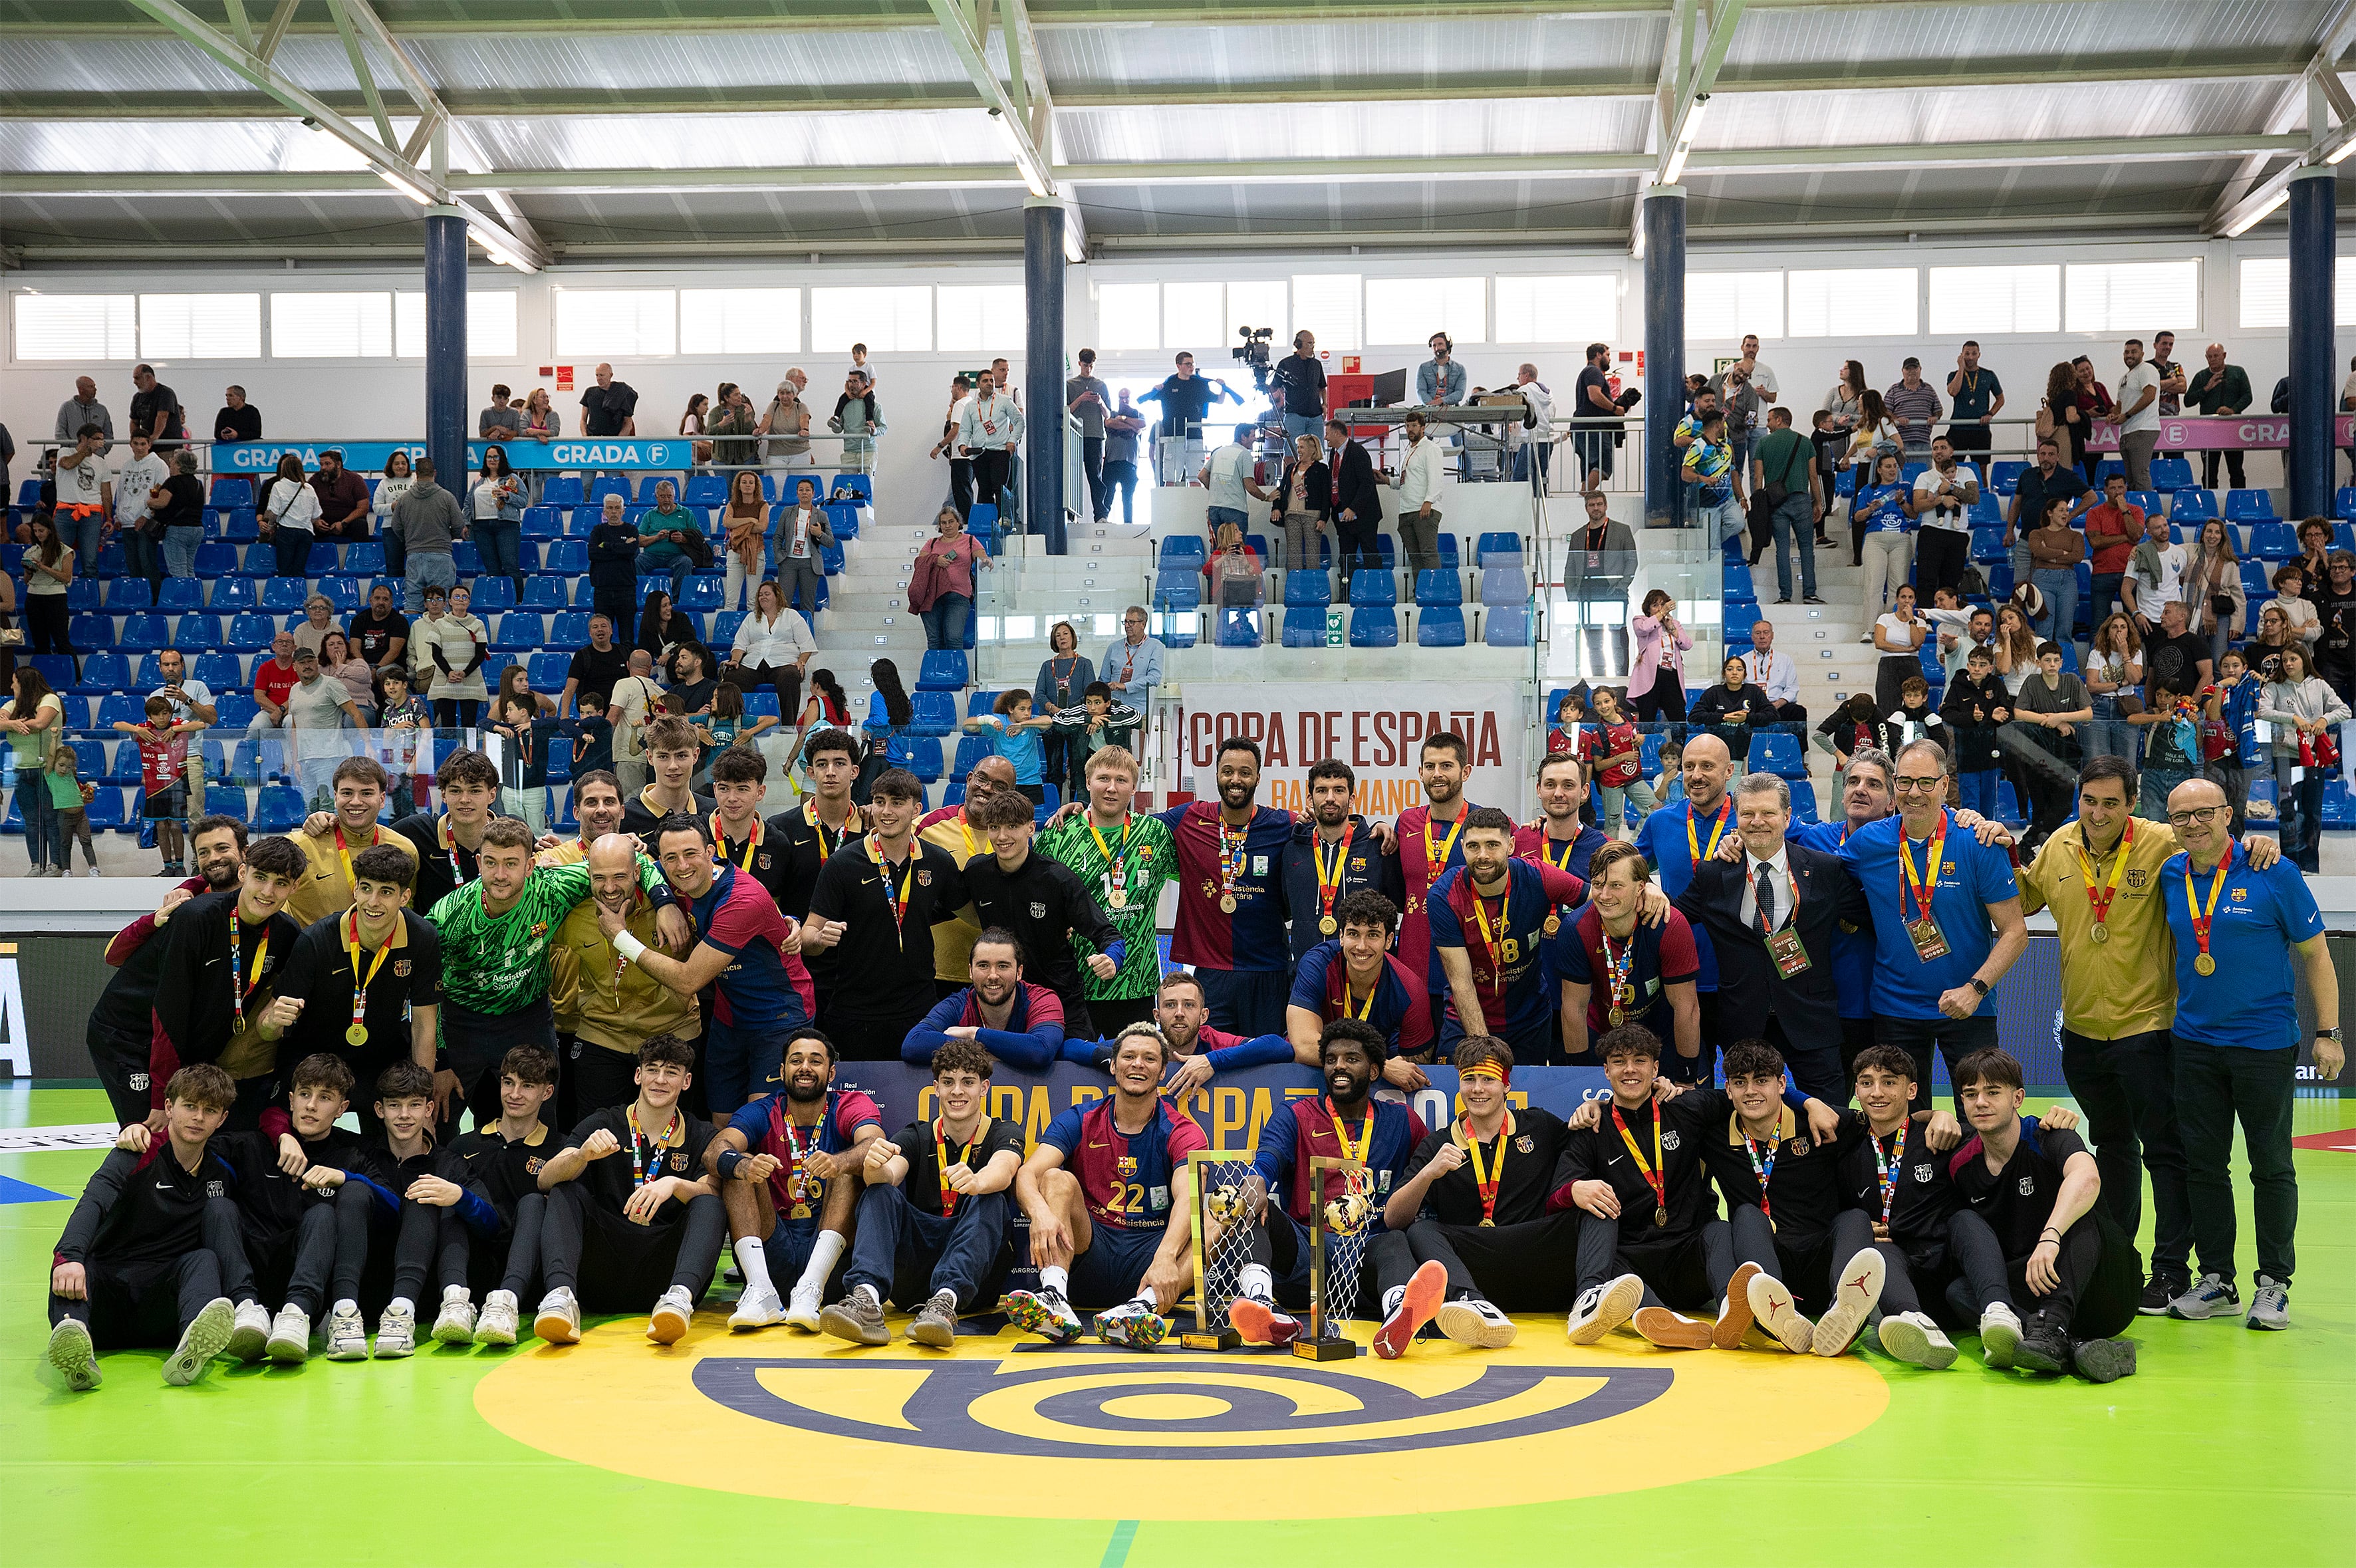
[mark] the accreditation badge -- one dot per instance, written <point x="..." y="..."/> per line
<point x="1930" y="942"/>
<point x="1790" y="954"/>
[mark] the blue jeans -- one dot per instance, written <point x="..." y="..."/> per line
<point x="2060" y="586"/>
<point x="180" y="551"/>
<point x="1723" y="519"/>
<point x="1297" y="425"/>
<point x="433" y="568"/>
<point x="1218" y="517"/>
<point x="945" y="622"/>
<point x="84" y="536"/>
<point x="45" y="839"/>
<point x="500" y="544"/>
<point x="905" y="1254"/>
<point x="1979" y="790"/>
<point x="1793" y="521"/>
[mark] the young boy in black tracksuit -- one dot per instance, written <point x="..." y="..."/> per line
<point x="1976" y="702"/>
<point x="505" y="1160"/>
<point x="133" y="1267"/>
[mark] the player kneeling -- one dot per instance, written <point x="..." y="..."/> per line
<point x="133" y="1267"/>
<point x="625" y="1236"/>
<point x="789" y="1168"/>
<point x="1481" y="1189"/>
<point x="1106" y="1194"/>
<point x="932" y="1217"/>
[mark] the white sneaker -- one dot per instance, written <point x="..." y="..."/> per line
<point x="498" y="1324"/>
<point x="205" y="1336"/>
<point x="1772" y="1309"/>
<point x="454" y="1324"/>
<point x="347" y="1334"/>
<point x="290" y="1337"/>
<point x="73" y="1355"/>
<point x="668" y="1323"/>
<point x="1604" y="1307"/>
<point x="558" y="1321"/>
<point x="1913" y="1337"/>
<point x="2000" y="1335"/>
<point x="250" y="1331"/>
<point x="756" y="1309"/>
<point x="396" y="1333"/>
<point x="92" y="871"/>
<point x="1856" y="1293"/>
<point x="801" y="1308"/>
<point x="1475" y="1322"/>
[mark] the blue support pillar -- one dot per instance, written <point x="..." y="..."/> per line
<point x="2314" y="379"/>
<point x="445" y="346"/>
<point x="1664" y="218"/>
<point x="1043" y="378"/>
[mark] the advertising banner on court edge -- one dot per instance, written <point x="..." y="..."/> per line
<point x="1377" y="727"/>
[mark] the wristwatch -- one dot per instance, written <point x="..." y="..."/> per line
<point x="1979" y="985"/>
<point x="2332" y="1035"/>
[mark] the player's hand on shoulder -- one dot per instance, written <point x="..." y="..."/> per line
<point x="1401" y="1073"/>
<point x="1193" y="1073"/>
<point x="135" y="1138"/>
<point x="172" y="900"/>
<point x="672" y="927"/>
<point x="2262" y="849"/>
<point x="1589" y="1115"/>
<point x="2057" y="1118"/>
<point x="1653" y="909"/>
<point x="600" y="1143"/>
<point x="319" y="824"/>
<point x="1944" y="1132"/>
<point x="1664" y="1090"/>
<point x="1729" y="850"/>
<point x="1824" y="1121"/>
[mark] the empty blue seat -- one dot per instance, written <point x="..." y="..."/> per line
<point x="1772" y="751"/>
<point x="844" y="521"/>
<point x="491" y="594"/>
<point x="2147" y="499"/>
<point x="215" y="559"/>
<point x="230" y="594"/>
<point x="1302" y="589"/>
<point x="2248" y="506"/>
<point x="1178" y="589"/>
<point x="465" y="558"/>
<point x="2008" y="804"/>
<point x="278" y="808"/>
<point x="126" y="769"/>
<point x="142" y="631"/>
<point x="933" y="712"/>
<point x="219" y="669"/>
<point x="546" y="672"/>
<point x="128" y="593"/>
<point x="1507" y="586"/>
<point x="1507" y="626"/>
<point x="2005" y="476"/>
<point x="706" y="490"/>
<point x="1803" y="801"/>
<point x="542" y="594"/>
<point x="235" y="709"/>
<point x="105" y="810"/>
<point x="250" y="632"/>
<point x="724" y="627"/>
<point x="82" y="594"/>
<point x="2271" y="540"/>
<point x="102" y="673"/>
<point x="89" y="632"/>
<point x="972" y="750"/>
<point x="121" y="707"/>
<point x="1180" y="550"/>
<point x="1374" y="626"/>
<point x="1237" y="628"/>
<point x="240" y="526"/>
<point x="284" y="594"/>
<point x="1502" y="548"/>
<point x="2254" y="585"/>
<point x="1373" y="590"/>
<point x="542" y="521"/>
<point x="562" y="489"/>
<point x="518" y="632"/>
<point x="702" y="594"/>
<point x="1439" y="586"/>
<point x="232" y="491"/>
<point x="261" y="561"/>
<point x="1440" y="626"/>
<point x="323" y="559"/>
<point x="181" y="594"/>
<point x="365" y="559"/>
<point x="148" y="673"/>
<point x="570" y="629"/>
<point x="1304" y="626"/>
<point x="2343" y="504"/>
<point x="2339" y="806"/>
<point x="58" y="670"/>
<point x="1449" y="557"/>
<point x="565" y="557"/>
<point x="2171" y="473"/>
<point x="1987" y="544"/>
<point x="1985" y="513"/>
<point x="2192" y="504"/>
<point x="344" y="592"/>
<point x="944" y="670"/>
<point x="2103" y="472"/>
<point x="604" y="485"/>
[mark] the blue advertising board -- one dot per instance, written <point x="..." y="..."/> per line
<point x="670" y="454"/>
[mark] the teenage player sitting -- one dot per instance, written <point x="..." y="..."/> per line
<point x="789" y="1165"/>
<point x="133" y="1268"/>
<point x="1105" y="1193"/>
<point x="1353" y="974"/>
<point x="932" y="1218"/>
<point x="1342" y="1123"/>
<point x="2029" y="1191"/>
<point x="1491" y="1231"/>
<point x="1020" y="1023"/>
<point x="504" y="1160"/>
<point x="630" y="1234"/>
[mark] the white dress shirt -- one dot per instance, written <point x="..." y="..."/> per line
<point x="1774" y="673"/>
<point x="1778" y="873"/>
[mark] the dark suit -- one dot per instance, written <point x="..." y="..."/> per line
<point x="1354" y="488"/>
<point x="1799" y="1016"/>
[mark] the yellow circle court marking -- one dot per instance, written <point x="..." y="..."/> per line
<point x="989" y="1428"/>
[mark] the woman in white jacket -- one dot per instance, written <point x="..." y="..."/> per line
<point x="2302" y="708"/>
<point x="772" y="641"/>
<point x="458" y="644"/>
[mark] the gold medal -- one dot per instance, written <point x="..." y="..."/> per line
<point x="357" y="1034"/>
<point x="1327" y="925"/>
<point x="237" y="1026"/>
<point x="1661" y="1215"/>
<point x="1553" y="924"/>
<point x="1488" y="1224"/>
<point x="1119" y="899"/>
<point x="1617" y="1017"/>
<point x="1226" y="903"/>
<point x="2204" y="964"/>
<point x="2099" y="935"/>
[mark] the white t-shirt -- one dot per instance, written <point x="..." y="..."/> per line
<point x="131" y="484"/>
<point x="1763" y="381"/>
<point x="79" y="485"/>
<point x="797" y="530"/>
<point x="2172" y="561"/>
<point x="1952" y="514"/>
<point x="1230" y="465"/>
<point x="1901" y="629"/>
<point x="292" y="505"/>
<point x="2132" y="385"/>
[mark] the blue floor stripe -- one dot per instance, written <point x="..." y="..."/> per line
<point x="1116" y="1550"/>
<point x="15" y="1191"/>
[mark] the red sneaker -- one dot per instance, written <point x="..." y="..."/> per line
<point x="1261" y="1324"/>
<point x="1416" y="1309"/>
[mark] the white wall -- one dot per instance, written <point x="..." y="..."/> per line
<point x="382" y="398"/>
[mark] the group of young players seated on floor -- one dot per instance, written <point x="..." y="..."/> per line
<point x="1883" y="1222"/>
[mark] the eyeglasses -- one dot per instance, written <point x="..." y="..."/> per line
<point x="2204" y="815"/>
<point x="1917" y="786"/>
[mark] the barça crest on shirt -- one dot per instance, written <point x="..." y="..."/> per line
<point x="1922" y="1176"/>
<point x="2137" y="878"/>
<point x="1797" y="1147"/>
<point x="1357" y="863"/>
<point x="400" y="969"/>
<point x="1038" y="911"/>
<point x="2241" y="894"/>
<point x="762" y="860"/>
<point x="531" y="1167"/>
<point x="1672" y="1140"/>
<point x="924" y="876"/>
<point x="540" y="928"/>
<point x="1126" y="1166"/>
<point x="213" y="1190"/>
<point x="2028" y="1187"/>
<point x="1145" y="852"/>
<point x="1525" y="1145"/>
<point x="679" y="1161"/>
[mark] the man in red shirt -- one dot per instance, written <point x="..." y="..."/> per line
<point x="273" y="678"/>
<point x="2112" y="529"/>
<point x="343" y="497"/>
<point x="1428" y="841"/>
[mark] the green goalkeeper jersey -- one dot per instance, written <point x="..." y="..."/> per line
<point x="499" y="964"/>
<point x="1135" y="869"/>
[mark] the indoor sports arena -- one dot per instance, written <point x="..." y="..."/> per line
<point x="1114" y="783"/>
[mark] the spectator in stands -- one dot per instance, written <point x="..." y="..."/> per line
<point x="318" y="710"/>
<point x="2297" y="610"/>
<point x="1062" y="682"/>
<point x="395" y="482"/>
<point x="2059" y="418"/>
<point x="1440" y="380"/>
<point x="494" y="516"/>
<point x="289" y="510"/>
<point x="380" y="634"/>
<point x="1944" y="495"/>
<point x="343" y="497"/>
<point x="337" y="662"/>
<point x="594" y="669"/>
<point x="1185" y="399"/>
<point x="2335" y="610"/>
<point x="1772" y="672"/>
<point x="1594" y="417"/>
<point x="1087" y="398"/>
<point x="2213" y="596"/>
<point x="1356" y="500"/>
<point x="1897" y="635"/>
<point x="2048" y="477"/>
<point x="1016" y="734"/>
<point x="633" y="699"/>
<point x="458" y="644"/>
<point x="1121" y="431"/>
<point x="2218" y="391"/>
<point x="731" y="424"/>
<point x="1302" y="375"/>
<point x="1235" y="572"/>
<point x="773" y="643"/>
<point x="691" y="425"/>
<point x="614" y="564"/>
<point x="2114" y="669"/>
<point x="2303" y="710"/>
<point x="34" y="721"/>
<point x="136" y="487"/>
<point x="273" y="678"/>
<point x="608" y="407"/>
<point x="660" y="628"/>
<point x="1531" y="440"/>
<point x="503" y="421"/>
<point x="987" y="432"/>
<point x="961" y="466"/>
<point x="1656" y="671"/>
<point x="940" y="588"/>
<point x="664" y="532"/>
<point x="1875" y="437"/>
<point x="1744" y="410"/>
<point x="803" y="535"/>
<point x="156" y="409"/>
<point x="2046" y="714"/>
<point x="744" y="529"/>
<point x="1844" y="411"/>
<point x="2138" y="416"/>
<point x="692" y="685"/>
<point x="424" y="521"/>
<point x="84" y="513"/>
<point x="2054" y="551"/>
<point x="1132" y="667"/>
<point x="1718" y="488"/>
<point x="2314" y="557"/>
<point x="785" y="424"/>
<point x="1784" y="475"/>
<point x="2113" y="526"/>
<point x="2174" y="659"/>
<point x="1913" y="404"/>
<point x="539" y="421"/>
<point x="191" y="699"/>
<point x="48" y="564"/>
<point x="318" y="620"/>
<point x="1975" y="397"/>
<point x="1229" y="475"/>
<point x="1733" y="709"/>
<point x="1302" y="498"/>
<point x="180" y="510"/>
<point x="2093" y="403"/>
<point x="858" y="418"/>
<point x="1956" y="643"/>
<point x="83" y="408"/>
<point x="1884" y="509"/>
<point x="2260" y="654"/>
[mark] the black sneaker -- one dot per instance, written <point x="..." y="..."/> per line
<point x="2156" y="1295"/>
<point x="1811" y="599"/>
<point x="2104" y="1360"/>
<point x="2043" y="1347"/>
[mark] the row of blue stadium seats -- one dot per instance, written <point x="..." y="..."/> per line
<point x="1190" y="552"/>
<point x="240" y="525"/>
<point x="237" y="596"/>
<point x="1434" y="589"/>
<point x="233" y="491"/>
<point x="221" y="562"/>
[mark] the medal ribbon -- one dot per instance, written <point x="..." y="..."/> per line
<point x="1118" y="876"/>
<point x="1619" y="965"/>
<point x="345" y="854"/>
<point x="448" y="837"/>
<point x="1350" y="998"/>
<point x="941" y="1159"/>
<point x="2101" y="897"/>
<point x="1486" y="1179"/>
<point x="1693" y="841"/>
<point x="1329" y="883"/>
<point x="1546" y="848"/>
<point x="236" y="993"/>
<point x="971" y="851"/>
<point x="1923" y="887"/>
<point x="1657" y="1174"/>
<point x="720" y="840"/>
<point x="1433" y="865"/>
<point x="1341" y="1134"/>
<point x="1231" y="856"/>
<point x="646" y="1153"/>
<point x="359" y="986"/>
<point x="897" y="904"/>
<point x="850" y="825"/>
<point x="1885" y="1172"/>
<point x="1488" y="938"/>
<point x="2201" y="916"/>
<point x="1764" y="1171"/>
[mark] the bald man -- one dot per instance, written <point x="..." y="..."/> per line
<point x="633" y="697"/>
<point x="605" y="1009"/>
<point x="953" y="940"/>
<point x="1674" y="839"/>
<point x="1774" y="673"/>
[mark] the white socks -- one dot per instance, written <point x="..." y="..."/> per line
<point x="824" y="1253"/>
<point x="1056" y="1280"/>
<point x="402" y="1305"/>
<point x="346" y="1304"/>
<point x="869" y="1292"/>
<point x="750" y="1259"/>
<point x="1254" y="1280"/>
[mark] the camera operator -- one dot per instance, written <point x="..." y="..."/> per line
<point x="1302" y="376"/>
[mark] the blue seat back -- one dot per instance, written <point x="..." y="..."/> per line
<point x="1441" y="626"/>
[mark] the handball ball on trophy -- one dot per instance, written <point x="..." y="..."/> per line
<point x="1347" y="1215"/>
<point x="1225" y="1205"/>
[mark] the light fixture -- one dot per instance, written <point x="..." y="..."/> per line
<point x="1075" y="252"/>
<point x="2259" y="215"/>
<point x="1022" y="159"/>
<point x="1676" y="164"/>
<point x="1637" y="250"/>
<point x="406" y="186"/>
<point x="2341" y="151"/>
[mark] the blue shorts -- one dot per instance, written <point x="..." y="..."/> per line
<point x="787" y="1253"/>
<point x="741" y="1063"/>
<point x="1108" y="1272"/>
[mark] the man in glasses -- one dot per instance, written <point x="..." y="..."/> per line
<point x="1946" y="918"/>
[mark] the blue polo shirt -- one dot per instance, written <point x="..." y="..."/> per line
<point x="1669" y="851"/>
<point x="2251" y="1001"/>
<point x="1852" y="951"/>
<point x="1971" y="877"/>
